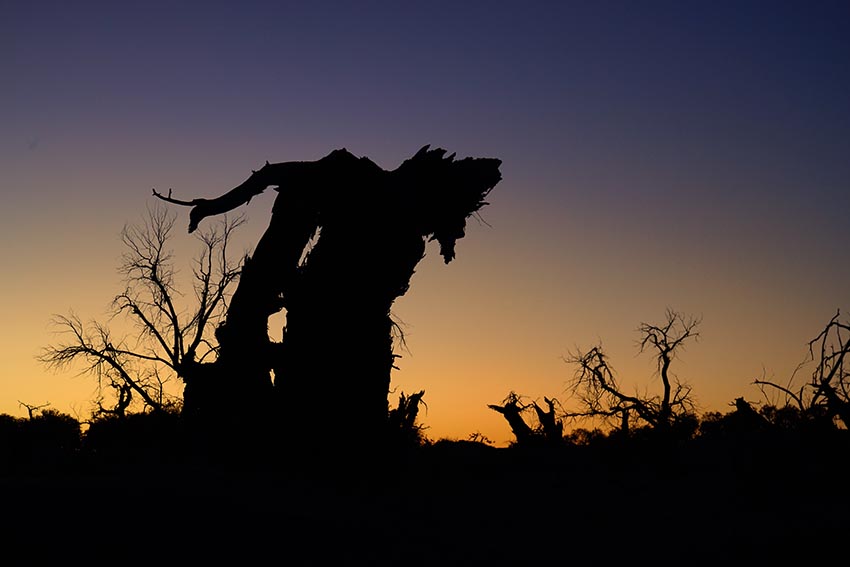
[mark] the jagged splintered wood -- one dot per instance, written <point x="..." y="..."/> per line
<point x="332" y="367"/>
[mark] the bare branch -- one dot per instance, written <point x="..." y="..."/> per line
<point x="594" y="385"/>
<point x="797" y="397"/>
<point x="827" y="391"/>
<point x="169" y="199"/>
<point x="102" y="358"/>
<point x="31" y="409"/>
<point x="164" y="344"/>
<point x="512" y="409"/>
<point x="270" y="174"/>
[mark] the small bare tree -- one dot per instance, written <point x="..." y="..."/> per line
<point x="32" y="409"/>
<point x="667" y="340"/>
<point x="404" y="419"/>
<point x="512" y="409"/>
<point x="827" y="392"/>
<point x="599" y="395"/>
<point x="549" y="428"/>
<point x="169" y="341"/>
<point x="595" y="387"/>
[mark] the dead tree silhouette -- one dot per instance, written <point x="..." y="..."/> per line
<point x="827" y="392"/>
<point x="403" y="419"/>
<point x="512" y="409"/>
<point x="549" y="429"/>
<point x="368" y="228"/>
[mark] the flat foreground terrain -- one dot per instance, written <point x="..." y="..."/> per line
<point x="450" y="504"/>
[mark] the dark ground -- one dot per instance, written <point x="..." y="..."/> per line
<point x="448" y="504"/>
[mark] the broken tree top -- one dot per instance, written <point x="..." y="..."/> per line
<point x="342" y="243"/>
<point x="430" y="194"/>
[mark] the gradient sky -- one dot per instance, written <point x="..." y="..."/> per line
<point x="655" y="154"/>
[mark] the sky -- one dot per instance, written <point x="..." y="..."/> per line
<point x="655" y="155"/>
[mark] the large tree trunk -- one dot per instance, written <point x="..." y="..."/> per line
<point x="332" y="373"/>
<point x="332" y="368"/>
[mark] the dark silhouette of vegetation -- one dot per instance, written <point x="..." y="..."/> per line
<point x="723" y="482"/>
<point x="743" y="421"/>
<point x="551" y="427"/>
<point x="826" y="395"/>
<point x="32" y="410"/>
<point x="45" y="441"/>
<point x="720" y="491"/>
<point x="344" y="240"/>
<point x="48" y="439"/>
<point x="548" y="428"/>
<point x="146" y="438"/>
<point x="342" y="244"/>
<point x="512" y="409"/>
<point x="810" y="415"/>
<point x="405" y="428"/>
<point x="599" y="394"/>
<point x="137" y="372"/>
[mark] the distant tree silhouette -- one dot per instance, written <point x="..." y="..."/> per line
<point x="45" y="442"/>
<point x="52" y="436"/>
<point x="599" y="395"/>
<point x="551" y="426"/>
<point x="585" y="437"/>
<point x="344" y="239"/>
<point x="136" y="438"/>
<point x="743" y="421"/>
<point x="826" y="395"/>
<point x="548" y="430"/>
<point x="746" y="416"/>
<point x="10" y="441"/>
<point x="170" y="340"/>
<point x="787" y="417"/>
<point x="404" y="424"/>
<point x="478" y="437"/>
<point x="32" y="409"/>
<point x="512" y="409"/>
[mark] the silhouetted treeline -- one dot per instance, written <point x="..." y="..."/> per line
<point x="744" y="424"/>
<point x="739" y="486"/>
<point x="54" y="442"/>
<point x="46" y="441"/>
<point x="50" y="441"/>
